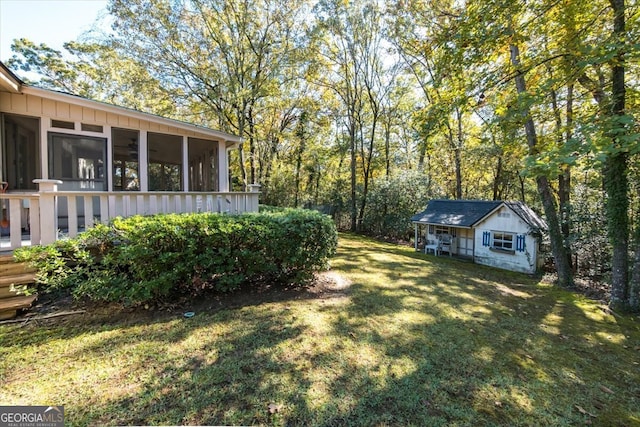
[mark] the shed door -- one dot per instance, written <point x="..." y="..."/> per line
<point x="465" y="242"/>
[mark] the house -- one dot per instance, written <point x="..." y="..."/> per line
<point x="496" y="233"/>
<point x="67" y="162"/>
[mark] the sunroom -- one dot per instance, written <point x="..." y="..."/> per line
<point x="67" y="162"/>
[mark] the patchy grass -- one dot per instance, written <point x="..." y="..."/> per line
<point x="414" y="340"/>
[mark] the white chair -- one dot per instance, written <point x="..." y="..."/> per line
<point x="432" y="245"/>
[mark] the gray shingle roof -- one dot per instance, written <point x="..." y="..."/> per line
<point x="466" y="213"/>
<point x="458" y="213"/>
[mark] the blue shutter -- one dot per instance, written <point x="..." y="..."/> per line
<point x="520" y="242"/>
<point x="486" y="238"/>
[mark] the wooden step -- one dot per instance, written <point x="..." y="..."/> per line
<point x="12" y="291"/>
<point x="6" y="258"/>
<point x="17" y="279"/>
<point x="14" y="268"/>
<point x="9" y="266"/>
<point x="9" y="306"/>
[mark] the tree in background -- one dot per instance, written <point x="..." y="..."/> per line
<point x="362" y="108"/>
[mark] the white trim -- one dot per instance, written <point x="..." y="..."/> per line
<point x="7" y="82"/>
<point x="185" y="164"/>
<point x="443" y="225"/>
<point x="143" y="158"/>
<point x="83" y="102"/>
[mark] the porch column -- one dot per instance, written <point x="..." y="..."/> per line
<point x="254" y="202"/>
<point x="48" y="209"/>
<point x="44" y="147"/>
<point x="108" y="162"/>
<point x="223" y="167"/>
<point x="185" y="163"/>
<point x="143" y="166"/>
<point x="415" y="239"/>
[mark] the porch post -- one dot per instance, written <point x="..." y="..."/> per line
<point x="415" y="239"/>
<point x="185" y="164"/>
<point x="143" y="152"/>
<point x="223" y="167"/>
<point x="254" y="203"/>
<point x="47" y="189"/>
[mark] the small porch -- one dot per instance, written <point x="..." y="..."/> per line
<point x="440" y="240"/>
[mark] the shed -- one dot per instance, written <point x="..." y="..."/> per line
<point x="498" y="233"/>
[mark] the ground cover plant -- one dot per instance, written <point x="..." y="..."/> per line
<point x="144" y="259"/>
<point x="394" y="338"/>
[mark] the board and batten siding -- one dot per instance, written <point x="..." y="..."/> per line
<point x="43" y="108"/>
<point x="505" y="220"/>
<point x="48" y="105"/>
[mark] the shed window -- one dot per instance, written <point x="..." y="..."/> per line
<point x="438" y="230"/>
<point x="502" y="240"/>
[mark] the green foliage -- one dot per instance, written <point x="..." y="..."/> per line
<point x="393" y="201"/>
<point x="146" y="258"/>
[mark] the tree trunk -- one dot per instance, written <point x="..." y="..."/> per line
<point x="458" y="155"/>
<point x="354" y="205"/>
<point x="616" y="186"/>
<point x="560" y="255"/>
<point x="634" y="283"/>
<point x="497" y="177"/>
<point x="298" y="168"/>
<point x="564" y="180"/>
<point x="252" y="148"/>
<point x="615" y="175"/>
<point x="387" y="149"/>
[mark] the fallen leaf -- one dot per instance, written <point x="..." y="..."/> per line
<point x="606" y="389"/>
<point x="583" y="411"/>
<point x="274" y="408"/>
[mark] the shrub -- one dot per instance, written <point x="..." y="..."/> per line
<point x="392" y="202"/>
<point x="145" y="258"/>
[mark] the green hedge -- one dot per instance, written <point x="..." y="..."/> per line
<point x="146" y="258"/>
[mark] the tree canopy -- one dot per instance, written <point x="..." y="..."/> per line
<point x="349" y="106"/>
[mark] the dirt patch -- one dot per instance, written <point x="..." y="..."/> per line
<point x="325" y="285"/>
<point x="592" y="289"/>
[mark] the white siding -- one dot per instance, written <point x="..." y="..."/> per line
<point x="505" y="220"/>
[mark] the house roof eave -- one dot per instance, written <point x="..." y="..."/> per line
<point x="443" y="225"/>
<point x="89" y="103"/>
<point x="9" y="81"/>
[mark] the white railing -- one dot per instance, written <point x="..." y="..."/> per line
<point x="20" y="220"/>
<point x="40" y="218"/>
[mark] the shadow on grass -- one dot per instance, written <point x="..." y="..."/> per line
<point x="501" y="349"/>
<point x="420" y="341"/>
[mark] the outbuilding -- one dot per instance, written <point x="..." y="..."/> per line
<point x="497" y="233"/>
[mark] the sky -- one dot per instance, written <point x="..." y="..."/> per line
<point x="51" y="22"/>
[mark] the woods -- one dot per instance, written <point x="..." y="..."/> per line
<point x="365" y="110"/>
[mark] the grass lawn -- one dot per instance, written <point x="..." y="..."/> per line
<point x="414" y="340"/>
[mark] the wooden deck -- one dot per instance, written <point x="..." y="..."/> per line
<point x="15" y="278"/>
